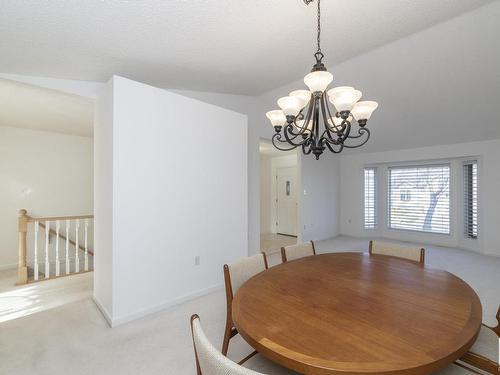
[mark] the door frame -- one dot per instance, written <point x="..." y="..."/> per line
<point x="272" y="202"/>
<point x="275" y="197"/>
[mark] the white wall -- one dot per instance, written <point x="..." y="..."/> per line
<point x="319" y="202"/>
<point x="174" y="198"/>
<point x="103" y="199"/>
<point x="49" y="174"/>
<point x="488" y="152"/>
<point x="265" y="194"/>
<point x="258" y="127"/>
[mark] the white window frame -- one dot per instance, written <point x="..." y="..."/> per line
<point x="375" y="198"/>
<point x="464" y="230"/>
<point x="451" y="184"/>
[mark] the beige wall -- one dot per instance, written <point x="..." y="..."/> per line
<point x="47" y="174"/>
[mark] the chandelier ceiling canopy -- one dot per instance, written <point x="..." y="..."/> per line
<point x="297" y="123"/>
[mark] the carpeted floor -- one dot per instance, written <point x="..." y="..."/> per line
<point x="75" y="338"/>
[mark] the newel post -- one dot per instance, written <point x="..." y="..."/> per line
<point x="22" y="269"/>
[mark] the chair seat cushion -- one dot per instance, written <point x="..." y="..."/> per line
<point x="486" y="344"/>
<point x="263" y="365"/>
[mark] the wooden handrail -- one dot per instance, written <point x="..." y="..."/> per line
<point x="52" y="232"/>
<point x="54" y="218"/>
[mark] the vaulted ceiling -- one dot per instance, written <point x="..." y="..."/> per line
<point x="231" y="46"/>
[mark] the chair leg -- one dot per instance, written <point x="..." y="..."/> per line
<point x="227" y="336"/>
<point x="248" y="357"/>
<point x="456" y="363"/>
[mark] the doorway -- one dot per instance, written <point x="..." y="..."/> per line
<point x="286" y="201"/>
<point x="279" y="193"/>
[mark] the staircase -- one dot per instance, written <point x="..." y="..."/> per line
<point x="52" y="247"/>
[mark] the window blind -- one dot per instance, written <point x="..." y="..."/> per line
<point x="419" y="198"/>
<point x="470" y="199"/>
<point x="370" y="198"/>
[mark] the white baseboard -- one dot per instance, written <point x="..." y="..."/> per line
<point x="103" y="311"/>
<point x="116" y="321"/>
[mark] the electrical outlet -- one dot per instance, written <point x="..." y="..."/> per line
<point x="197" y="260"/>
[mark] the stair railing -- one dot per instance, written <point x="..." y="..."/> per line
<point x="45" y="228"/>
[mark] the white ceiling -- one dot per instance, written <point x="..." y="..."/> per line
<point x="37" y="108"/>
<point x="439" y="86"/>
<point x="233" y="46"/>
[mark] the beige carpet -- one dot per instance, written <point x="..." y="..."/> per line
<point x="75" y="338"/>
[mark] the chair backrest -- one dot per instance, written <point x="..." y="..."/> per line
<point x="237" y="273"/>
<point x="297" y="251"/>
<point x="411" y="253"/>
<point x="497" y="328"/>
<point x="209" y="361"/>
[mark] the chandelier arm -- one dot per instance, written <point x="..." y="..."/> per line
<point x="307" y="118"/>
<point x="330" y="147"/>
<point x="306" y="150"/>
<point x="276" y="140"/>
<point x="323" y="111"/>
<point x="327" y="133"/>
<point x="343" y="123"/>
<point x="342" y="137"/>
<point x="289" y="129"/>
<point x="347" y="132"/>
<point x="361" y="131"/>
<point x="291" y="140"/>
<point x="329" y="139"/>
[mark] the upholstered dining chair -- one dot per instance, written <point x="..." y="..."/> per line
<point x="234" y="276"/>
<point x="384" y="248"/>
<point x="209" y="361"/>
<point x="484" y="353"/>
<point x="297" y="251"/>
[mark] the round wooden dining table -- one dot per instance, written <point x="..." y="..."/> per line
<point x="355" y="313"/>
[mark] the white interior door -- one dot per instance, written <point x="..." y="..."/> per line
<point x="286" y="200"/>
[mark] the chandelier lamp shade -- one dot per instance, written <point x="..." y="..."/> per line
<point x="305" y="118"/>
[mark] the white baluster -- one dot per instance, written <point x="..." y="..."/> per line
<point x="47" y="265"/>
<point x="67" y="247"/>
<point x="86" y="245"/>
<point x="77" y="259"/>
<point x="58" y="224"/>
<point x="35" y="259"/>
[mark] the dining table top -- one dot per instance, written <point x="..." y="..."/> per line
<point x="355" y="313"/>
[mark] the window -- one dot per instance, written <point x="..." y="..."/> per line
<point x="406" y="195"/>
<point x="470" y="199"/>
<point x="419" y="198"/>
<point x="370" y="198"/>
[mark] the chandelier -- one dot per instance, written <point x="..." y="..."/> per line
<point x="297" y="123"/>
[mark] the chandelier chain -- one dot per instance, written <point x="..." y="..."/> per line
<point x="319" y="26"/>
